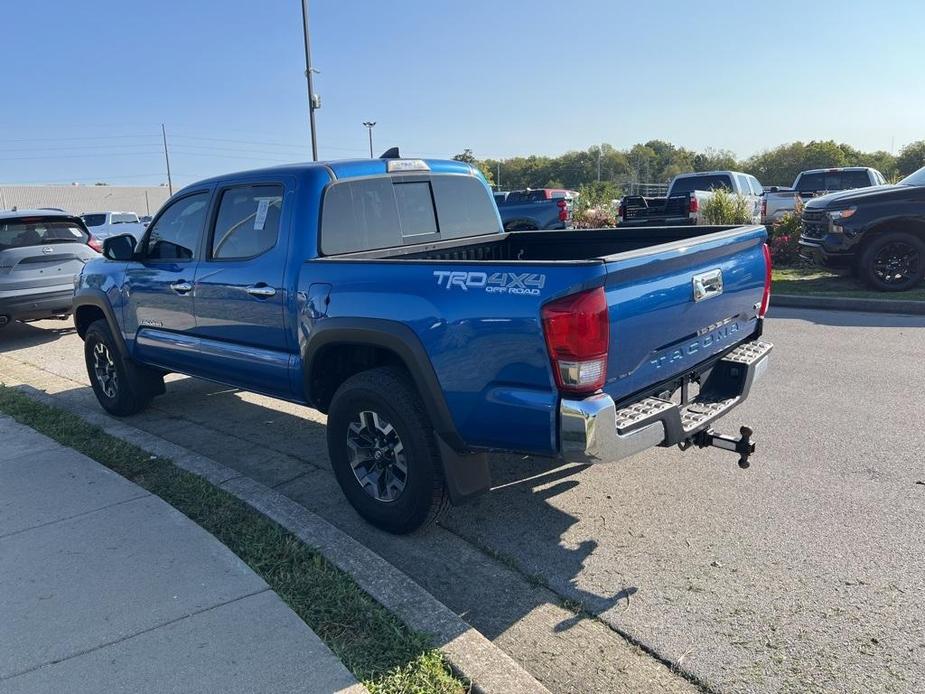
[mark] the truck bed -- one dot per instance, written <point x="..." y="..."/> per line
<point x="591" y="245"/>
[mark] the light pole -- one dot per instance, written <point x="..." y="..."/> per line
<point x="369" y="126"/>
<point x="167" y="158"/>
<point x="314" y="101"/>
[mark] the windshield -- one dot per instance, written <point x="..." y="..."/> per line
<point x="36" y="231"/>
<point x="689" y="184"/>
<point x="124" y="218"/>
<point x="916" y="178"/>
<point x="832" y="180"/>
<point x="94" y="220"/>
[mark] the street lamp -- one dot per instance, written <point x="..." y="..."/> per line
<point x="314" y="101"/>
<point x="369" y="126"/>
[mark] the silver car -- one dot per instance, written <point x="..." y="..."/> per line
<point x="41" y="253"/>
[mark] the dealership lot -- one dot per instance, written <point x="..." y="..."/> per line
<point x="803" y="573"/>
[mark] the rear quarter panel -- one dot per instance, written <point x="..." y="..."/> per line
<point x="486" y="346"/>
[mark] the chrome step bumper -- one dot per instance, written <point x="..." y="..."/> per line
<point x="594" y="430"/>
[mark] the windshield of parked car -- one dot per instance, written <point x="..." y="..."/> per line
<point x="124" y="218"/>
<point x="916" y="178"/>
<point x="689" y="184"/>
<point x="36" y="231"/>
<point x="832" y="180"/>
<point x="94" y="220"/>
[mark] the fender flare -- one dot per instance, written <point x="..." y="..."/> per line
<point x="466" y="474"/>
<point x="98" y="299"/>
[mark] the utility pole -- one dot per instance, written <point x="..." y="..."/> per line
<point x="314" y="101"/>
<point x="499" y="174"/>
<point x="167" y="159"/>
<point x="600" y="153"/>
<point x="369" y="126"/>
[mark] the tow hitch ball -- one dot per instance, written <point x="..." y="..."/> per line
<point x="743" y="445"/>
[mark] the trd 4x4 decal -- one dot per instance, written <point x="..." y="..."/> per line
<point x="527" y="283"/>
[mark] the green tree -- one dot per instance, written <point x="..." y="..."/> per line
<point x="911" y="158"/>
<point x="467" y="156"/>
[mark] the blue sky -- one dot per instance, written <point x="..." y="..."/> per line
<point x="86" y="85"/>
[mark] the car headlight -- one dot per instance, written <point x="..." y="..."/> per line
<point x="838" y="215"/>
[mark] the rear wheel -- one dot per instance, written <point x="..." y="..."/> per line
<point x="383" y="451"/>
<point x="121" y="387"/>
<point x="894" y="262"/>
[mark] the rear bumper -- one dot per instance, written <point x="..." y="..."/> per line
<point x="594" y="430"/>
<point x="686" y="220"/>
<point x="37" y="303"/>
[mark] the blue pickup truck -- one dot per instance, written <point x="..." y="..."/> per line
<point x="535" y="209"/>
<point x="386" y="294"/>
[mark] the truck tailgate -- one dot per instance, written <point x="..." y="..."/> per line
<point x="657" y="329"/>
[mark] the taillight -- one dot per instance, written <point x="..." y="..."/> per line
<point x="694" y="207"/>
<point x="766" y="297"/>
<point x="95" y="244"/>
<point x="563" y="210"/>
<point x="577" y="330"/>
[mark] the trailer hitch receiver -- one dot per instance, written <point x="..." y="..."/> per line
<point x="743" y="445"/>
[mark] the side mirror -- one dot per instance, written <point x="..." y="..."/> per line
<point x="121" y="247"/>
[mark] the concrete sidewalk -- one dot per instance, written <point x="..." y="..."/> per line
<point x="106" y="588"/>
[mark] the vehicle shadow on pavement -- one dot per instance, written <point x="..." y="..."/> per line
<point x="284" y="446"/>
<point x="21" y="335"/>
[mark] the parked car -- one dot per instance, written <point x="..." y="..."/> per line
<point x="808" y="184"/>
<point x="879" y="232"/>
<point x="537" y="208"/>
<point x="331" y="284"/>
<point x="41" y="253"/>
<point x="102" y="225"/>
<point x="146" y="219"/>
<point x="686" y="197"/>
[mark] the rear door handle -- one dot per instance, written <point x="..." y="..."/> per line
<point x="182" y="287"/>
<point x="261" y="291"/>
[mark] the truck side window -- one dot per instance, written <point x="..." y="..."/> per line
<point x="176" y="233"/>
<point x="745" y="188"/>
<point x="247" y="224"/>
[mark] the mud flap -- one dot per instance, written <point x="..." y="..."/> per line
<point x="466" y="475"/>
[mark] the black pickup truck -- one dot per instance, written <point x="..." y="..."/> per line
<point x="879" y="232"/>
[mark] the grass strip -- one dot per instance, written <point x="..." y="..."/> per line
<point x="814" y="281"/>
<point x="375" y="645"/>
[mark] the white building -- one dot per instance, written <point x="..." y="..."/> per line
<point x="78" y="199"/>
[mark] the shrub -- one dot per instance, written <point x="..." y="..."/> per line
<point x="784" y="238"/>
<point x="724" y="207"/>
<point x="594" y="218"/>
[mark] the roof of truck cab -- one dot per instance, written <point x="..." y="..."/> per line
<point x="343" y="168"/>
<point x="833" y="169"/>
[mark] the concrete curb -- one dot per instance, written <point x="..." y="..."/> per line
<point x="837" y="303"/>
<point x="467" y="651"/>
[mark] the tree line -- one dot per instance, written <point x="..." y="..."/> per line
<point x="657" y="161"/>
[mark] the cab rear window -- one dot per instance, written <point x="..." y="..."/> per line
<point x="19" y="233"/>
<point x="389" y="211"/>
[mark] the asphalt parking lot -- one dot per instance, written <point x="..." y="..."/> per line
<point x="803" y="573"/>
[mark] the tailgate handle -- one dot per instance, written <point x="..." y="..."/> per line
<point x="708" y="284"/>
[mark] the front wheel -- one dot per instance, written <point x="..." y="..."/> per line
<point x="893" y="262"/>
<point x="122" y="388"/>
<point x="383" y="451"/>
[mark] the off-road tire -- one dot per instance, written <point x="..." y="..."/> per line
<point x="866" y="266"/>
<point x="134" y="385"/>
<point x="388" y="392"/>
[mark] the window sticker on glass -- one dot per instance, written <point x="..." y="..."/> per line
<point x="260" y="218"/>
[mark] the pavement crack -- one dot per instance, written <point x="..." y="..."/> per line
<point x="76" y="515"/>
<point x="107" y="644"/>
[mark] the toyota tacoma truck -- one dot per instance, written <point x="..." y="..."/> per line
<point x="879" y="232"/>
<point x="386" y="294"/>
<point x="687" y="195"/>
